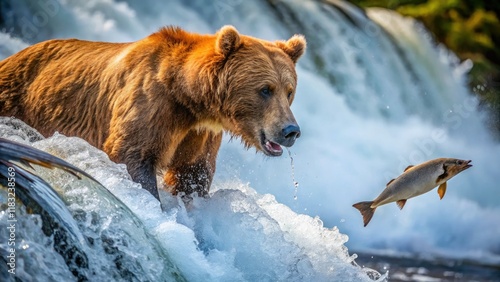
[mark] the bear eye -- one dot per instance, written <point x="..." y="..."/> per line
<point x="266" y="92"/>
<point x="289" y="95"/>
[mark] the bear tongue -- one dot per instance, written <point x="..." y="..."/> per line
<point x="273" y="147"/>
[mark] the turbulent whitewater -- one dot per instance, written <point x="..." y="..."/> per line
<point x="375" y="94"/>
<point x="236" y="235"/>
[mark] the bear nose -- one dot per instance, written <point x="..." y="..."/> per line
<point x="291" y="132"/>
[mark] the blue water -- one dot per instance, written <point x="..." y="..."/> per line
<point x="375" y="94"/>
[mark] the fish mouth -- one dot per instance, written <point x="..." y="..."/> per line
<point x="270" y="147"/>
<point x="464" y="166"/>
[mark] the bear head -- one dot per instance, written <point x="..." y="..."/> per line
<point x="257" y="83"/>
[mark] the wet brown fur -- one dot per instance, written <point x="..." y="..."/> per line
<point x="160" y="103"/>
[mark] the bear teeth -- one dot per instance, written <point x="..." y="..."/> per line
<point x="273" y="148"/>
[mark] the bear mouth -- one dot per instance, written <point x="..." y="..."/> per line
<point x="270" y="148"/>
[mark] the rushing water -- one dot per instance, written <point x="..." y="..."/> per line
<point x="375" y="94"/>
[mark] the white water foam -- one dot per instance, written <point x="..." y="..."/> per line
<point x="235" y="235"/>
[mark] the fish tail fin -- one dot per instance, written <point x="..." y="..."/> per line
<point x="366" y="211"/>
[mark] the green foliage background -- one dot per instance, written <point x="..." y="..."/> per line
<point x="471" y="29"/>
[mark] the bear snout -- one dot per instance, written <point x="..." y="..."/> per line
<point x="288" y="135"/>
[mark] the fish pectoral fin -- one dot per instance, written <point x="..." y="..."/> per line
<point x="408" y="167"/>
<point x="390" y="181"/>
<point x="401" y="203"/>
<point x="442" y="190"/>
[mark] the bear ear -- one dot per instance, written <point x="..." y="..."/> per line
<point x="293" y="47"/>
<point x="228" y="40"/>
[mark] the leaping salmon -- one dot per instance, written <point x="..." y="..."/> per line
<point x="415" y="181"/>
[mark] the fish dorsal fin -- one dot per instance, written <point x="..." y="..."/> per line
<point x="408" y="167"/>
<point x="442" y="190"/>
<point x="401" y="203"/>
<point x="390" y="181"/>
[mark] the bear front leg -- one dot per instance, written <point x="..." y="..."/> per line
<point x="140" y="161"/>
<point x="193" y="166"/>
<point x="144" y="174"/>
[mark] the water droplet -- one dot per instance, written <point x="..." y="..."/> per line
<point x="295" y="183"/>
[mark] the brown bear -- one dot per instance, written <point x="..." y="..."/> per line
<point x="160" y="103"/>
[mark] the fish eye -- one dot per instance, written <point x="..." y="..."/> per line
<point x="266" y="92"/>
<point x="459" y="162"/>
